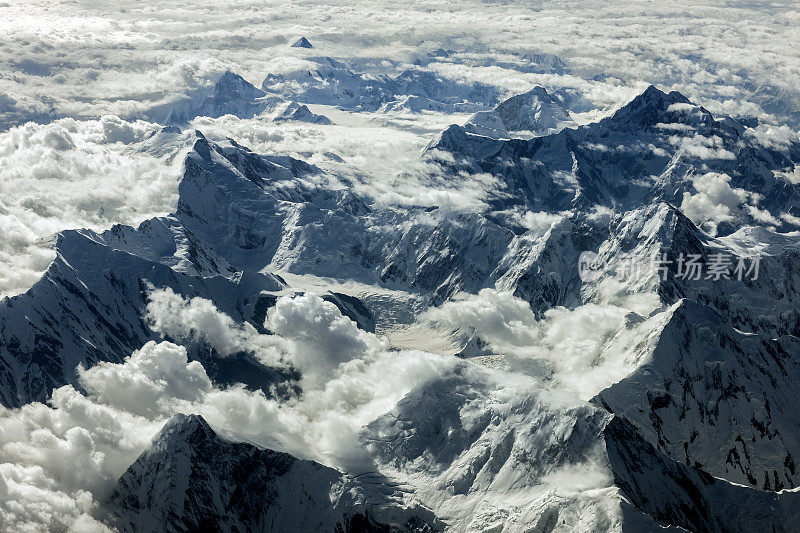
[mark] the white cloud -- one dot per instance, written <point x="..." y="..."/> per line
<point x="715" y="202"/>
<point x="791" y="175"/>
<point x="790" y="218"/>
<point x="198" y="318"/>
<point x="762" y="216"/>
<point x="702" y="147"/>
<point x="155" y="374"/>
<point x="311" y="334"/>
<point x="536" y="222"/>
<point x="584" y="349"/>
<point x="676" y="126"/>
<point x="322" y="338"/>
<point x="31" y="503"/>
<point x="681" y="107"/>
<point x="57" y="461"/>
<point x="774" y="138"/>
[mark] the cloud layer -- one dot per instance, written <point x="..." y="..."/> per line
<point x="584" y="349"/>
<point x="92" y="59"/>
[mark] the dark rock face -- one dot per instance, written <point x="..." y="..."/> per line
<point x="302" y="42"/>
<point x="353" y="308"/>
<point x="191" y="479"/>
<point x="680" y="495"/>
<point x="644" y="153"/>
<point x="89" y="307"/>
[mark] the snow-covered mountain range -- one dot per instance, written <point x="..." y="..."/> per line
<point x="682" y="414"/>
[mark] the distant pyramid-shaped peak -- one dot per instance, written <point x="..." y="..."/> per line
<point x="534" y="111"/>
<point x="302" y="42"/>
<point x="231" y="85"/>
<point x="183" y="428"/>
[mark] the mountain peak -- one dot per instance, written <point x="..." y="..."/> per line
<point x="336" y="64"/>
<point x="648" y="108"/>
<point x="230" y="94"/>
<point x="539" y="91"/>
<point x="534" y="111"/>
<point x="652" y="92"/>
<point x="301" y="113"/>
<point x="183" y="428"/>
<point x="231" y="85"/>
<point x="654" y="95"/>
<point x="302" y="42"/>
<point x="201" y="147"/>
<point x="457" y="139"/>
<point x="193" y="480"/>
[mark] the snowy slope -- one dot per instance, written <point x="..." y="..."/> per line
<point x="714" y="397"/>
<point x="532" y="113"/>
<point x="484" y="455"/>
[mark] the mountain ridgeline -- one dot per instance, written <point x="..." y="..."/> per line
<point x="703" y="434"/>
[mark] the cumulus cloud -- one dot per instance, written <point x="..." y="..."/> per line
<point x="59" y="460"/>
<point x="791" y="175"/>
<point x="311" y="334"/>
<point x="774" y="138"/>
<point x="152" y="375"/>
<point x="536" y="222"/>
<point x="702" y="147"/>
<point x="31" y="503"/>
<point x="349" y="377"/>
<point x="322" y="338"/>
<point x="198" y="319"/>
<point x="716" y="202"/>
